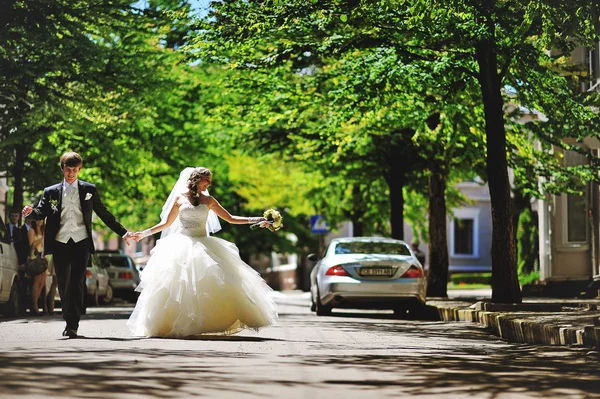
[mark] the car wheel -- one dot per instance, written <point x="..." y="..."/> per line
<point x="131" y="296"/>
<point x="86" y="299"/>
<point x="417" y="311"/>
<point x="401" y="312"/>
<point x="409" y="312"/>
<point x="13" y="306"/>
<point x="94" y="299"/>
<point x="321" y="309"/>
<point x="313" y="306"/>
<point x="108" y="298"/>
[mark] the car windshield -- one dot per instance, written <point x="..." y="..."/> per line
<point x="116" y="261"/>
<point x="371" y="247"/>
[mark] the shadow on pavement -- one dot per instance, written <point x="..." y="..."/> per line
<point x="230" y="338"/>
<point x="211" y="373"/>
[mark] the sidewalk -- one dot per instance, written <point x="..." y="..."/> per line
<point x="542" y="321"/>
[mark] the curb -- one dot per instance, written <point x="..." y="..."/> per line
<point x="540" y="324"/>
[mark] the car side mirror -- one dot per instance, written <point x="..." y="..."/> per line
<point x="313" y="257"/>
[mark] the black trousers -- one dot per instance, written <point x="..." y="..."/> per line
<point x="70" y="261"/>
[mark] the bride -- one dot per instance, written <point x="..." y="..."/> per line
<point x="194" y="283"/>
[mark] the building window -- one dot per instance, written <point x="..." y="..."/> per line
<point x="463" y="236"/>
<point x="575" y="209"/>
<point x="464" y="233"/>
<point x="139" y="248"/>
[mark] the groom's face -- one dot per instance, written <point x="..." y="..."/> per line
<point x="70" y="173"/>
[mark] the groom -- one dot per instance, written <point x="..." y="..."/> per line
<point x="67" y="207"/>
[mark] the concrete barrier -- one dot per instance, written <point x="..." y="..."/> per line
<point x="532" y="323"/>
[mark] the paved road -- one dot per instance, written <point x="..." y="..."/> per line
<point x="350" y="355"/>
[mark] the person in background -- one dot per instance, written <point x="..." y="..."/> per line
<point x="51" y="272"/>
<point x="418" y="253"/>
<point x="14" y="227"/>
<point x="36" y="243"/>
<point x="22" y="248"/>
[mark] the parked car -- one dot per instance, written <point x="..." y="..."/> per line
<point x="367" y="272"/>
<point x="9" y="275"/>
<point x="98" y="288"/>
<point x="124" y="275"/>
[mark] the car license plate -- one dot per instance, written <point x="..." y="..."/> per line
<point x="376" y="271"/>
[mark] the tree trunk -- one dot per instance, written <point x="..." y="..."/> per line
<point x="396" y="183"/>
<point x="505" y="282"/>
<point x="18" y="173"/>
<point x="358" y="229"/>
<point x="358" y="212"/>
<point x="437" y="281"/>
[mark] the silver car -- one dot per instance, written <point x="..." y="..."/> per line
<point x="124" y="275"/>
<point x="367" y="272"/>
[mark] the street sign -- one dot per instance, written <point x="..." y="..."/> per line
<point x="318" y="225"/>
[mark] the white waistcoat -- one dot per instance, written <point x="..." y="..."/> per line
<point x="71" y="216"/>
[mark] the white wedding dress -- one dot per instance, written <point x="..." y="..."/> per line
<point x="197" y="284"/>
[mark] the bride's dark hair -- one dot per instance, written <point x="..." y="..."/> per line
<point x="197" y="175"/>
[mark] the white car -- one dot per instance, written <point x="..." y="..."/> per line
<point x="99" y="289"/>
<point x="123" y="273"/>
<point x="368" y="272"/>
<point x="9" y="278"/>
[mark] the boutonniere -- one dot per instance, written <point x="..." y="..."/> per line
<point x="54" y="205"/>
<point x="88" y="196"/>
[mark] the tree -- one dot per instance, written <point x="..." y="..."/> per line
<point x="65" y="63"/>
<point x="507" y="43"/>
<point x="371" y="98"/>
<point x="486" y="45"/>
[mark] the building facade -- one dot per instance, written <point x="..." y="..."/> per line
<point x="569" y="223"/>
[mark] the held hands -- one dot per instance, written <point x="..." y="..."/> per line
<point x="128" y="236"/>
<point x="140" y="235"/>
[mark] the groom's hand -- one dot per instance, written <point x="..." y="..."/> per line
<point x="129" y="235"/>
<point x="136" y="236"/>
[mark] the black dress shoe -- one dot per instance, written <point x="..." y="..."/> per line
<point x="69" y="332"/>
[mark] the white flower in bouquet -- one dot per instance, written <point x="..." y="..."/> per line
<point x="274" y="218"/>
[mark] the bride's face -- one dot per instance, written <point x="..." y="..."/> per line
<point x="204" y="183"/>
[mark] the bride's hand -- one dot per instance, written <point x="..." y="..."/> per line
<point x="136" y="236"/>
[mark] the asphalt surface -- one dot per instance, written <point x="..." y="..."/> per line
<point x="351" y="354"/>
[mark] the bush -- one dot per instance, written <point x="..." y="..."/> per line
<point x="471" y="278"/>
<point x="527" y="248"/>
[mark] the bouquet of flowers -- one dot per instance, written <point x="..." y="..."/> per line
<point x="274" y="218"/>
<point x="273" y="223"/>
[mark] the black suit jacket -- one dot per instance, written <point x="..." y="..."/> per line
<point x="22" y="245"/>
<point x="50" y="207"/>
<point x="16" y="233"/>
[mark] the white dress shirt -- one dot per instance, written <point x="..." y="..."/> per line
<point x="72" y="225"/>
